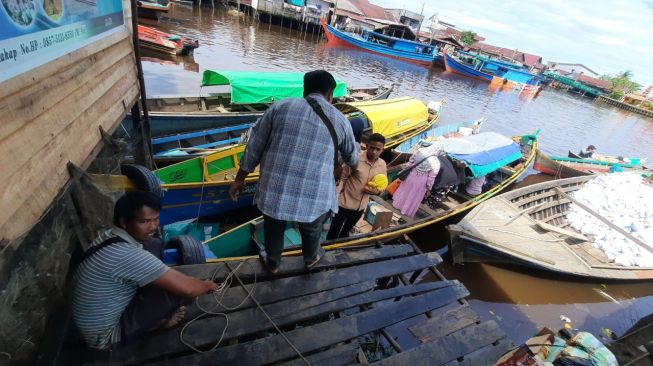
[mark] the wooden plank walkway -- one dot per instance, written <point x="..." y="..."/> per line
<point x="327" y="316"/>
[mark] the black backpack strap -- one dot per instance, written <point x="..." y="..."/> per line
<point x="316" y="107"/>
<point x="94" y="249"/>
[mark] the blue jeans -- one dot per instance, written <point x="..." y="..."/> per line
<point x="310" y="232"/>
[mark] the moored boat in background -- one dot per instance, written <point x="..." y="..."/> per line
<point x="159" y="41"/>
<point x="567" y="167"/>
<point x="404" y="49"/>
<point x="242" y="97"/>
<point x="500" y="73"/>
<point x="152" y="9"/>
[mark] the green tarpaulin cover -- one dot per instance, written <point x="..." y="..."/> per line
<point x="250" y="87"/>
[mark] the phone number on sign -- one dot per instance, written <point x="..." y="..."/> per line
<point x="58" y="38"/>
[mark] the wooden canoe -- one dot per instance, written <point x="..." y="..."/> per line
<point x="246" y="239"/>
<point x="198" y="186"/>
<point x="178" y="114"/>
<point x="527" y="227"/>
<point x="567" y="167"/>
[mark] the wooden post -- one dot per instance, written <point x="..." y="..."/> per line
<point x="143" y="149"/>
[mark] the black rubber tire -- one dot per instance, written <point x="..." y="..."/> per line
<point x="143" y="178"/>
<point x="191" y="250"/>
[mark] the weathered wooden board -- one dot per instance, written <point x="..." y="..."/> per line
<point x="242" y="322"/>
<point x="29" y="204"/>
<point x="295" y="264"/>
<point x="285" y="288"/>
<point x="51" y="116"/>
<point x="445" y="323"/>
<point x="450" y="347"/>
<point x="344" y="354"/>
<point x="308" y="339"/>
<point x="250" y="321"/>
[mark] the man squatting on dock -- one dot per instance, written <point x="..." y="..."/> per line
<point x="122" y="288"/>
<point x="294" y="147"/>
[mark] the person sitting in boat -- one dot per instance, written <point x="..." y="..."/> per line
<point x="355" y="190"/>
<point x="475" y="186"/>
<point x="122" y="289"/>
<point x="450" y="176"/>
<point x="424" y="167"/>
<point x="588" y="152"/>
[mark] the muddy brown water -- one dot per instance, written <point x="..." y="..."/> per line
<point x="521" y="301"/>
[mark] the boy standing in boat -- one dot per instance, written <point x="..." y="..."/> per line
<point x="355" y="192"/>
<point x="295" y="151"/>
<point x="122" y="288"/>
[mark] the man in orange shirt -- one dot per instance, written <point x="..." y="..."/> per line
<point x="355" y="193"/>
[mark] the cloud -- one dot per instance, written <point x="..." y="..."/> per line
<point x="606" y="37"/>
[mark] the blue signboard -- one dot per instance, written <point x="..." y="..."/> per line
<point x="33" y="32"/>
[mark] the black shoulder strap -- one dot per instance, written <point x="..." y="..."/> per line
<point x="94" y="249"/>
<point x="316" y="107"/>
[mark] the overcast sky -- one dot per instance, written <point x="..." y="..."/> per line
<point x="606" y="36"/>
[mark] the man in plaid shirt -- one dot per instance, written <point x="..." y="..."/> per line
<point x="294" y="149"/>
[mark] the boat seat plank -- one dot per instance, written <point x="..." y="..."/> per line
<point x="344" y="354"/>
<point x="427" y="210"/>
<point x="285" y="288"/>
<point x="487" y="355"/>
<point x="555" y="229"/>
<point x="445" y="323"/>
<point x="448" y="348"/>
<point x="275" y="348"/>
<point x="295" y="264"/>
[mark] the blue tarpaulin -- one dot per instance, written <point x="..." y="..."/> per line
<point x="296" y="2"/>
<point x="486" y="162"/>
<point x="487" y="157"/>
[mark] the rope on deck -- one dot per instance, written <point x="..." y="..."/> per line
<point x="218" y="296"/>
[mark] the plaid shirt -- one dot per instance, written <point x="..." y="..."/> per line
<point x="295" y="151"/>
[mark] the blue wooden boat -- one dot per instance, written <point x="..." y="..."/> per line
<point x="236" y="98"/>
<point x="199" y="186"/>
<point x="198" y="142"/>
<point x="382" y="44"/>
<point x="494" y="71"/>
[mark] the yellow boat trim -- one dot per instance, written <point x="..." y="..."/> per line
<point x="396" y="233"/>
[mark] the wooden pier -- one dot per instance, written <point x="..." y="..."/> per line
<point x="626" y="106"/>
<point x="357" y="303"/>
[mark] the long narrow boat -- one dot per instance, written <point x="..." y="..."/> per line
<point x="199" y="186"/>
<point x="563" y="167"/>
<point x="375" y="42"/>
<point x="248" y="239"/>
<point x="196" y="143"/>
<point x="159" y="41"/>
<point x="493" y="71"/>
<point x="528" y="227"/>
<point x="241" y="98"/>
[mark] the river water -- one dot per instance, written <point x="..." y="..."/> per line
<point x="520" y="301"/>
